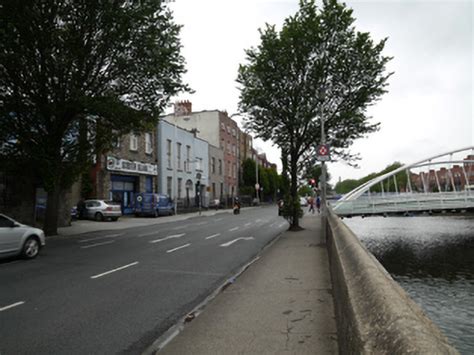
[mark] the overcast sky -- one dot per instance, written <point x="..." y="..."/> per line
<point x="429" y="106"/>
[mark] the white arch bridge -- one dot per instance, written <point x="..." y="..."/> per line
<point x="442" y="183"/>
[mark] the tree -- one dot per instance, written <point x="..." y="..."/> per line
<point x="316" y="66"/>
<point x="75" y="75"/>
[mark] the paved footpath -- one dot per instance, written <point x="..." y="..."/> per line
<point x="282" y="304"/>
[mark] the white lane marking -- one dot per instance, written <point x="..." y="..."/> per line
<point x="147" y="234"/>
<point x="235" y="240"/>
<point x="281" y="225"/>
<point x="233" y="229"/>
<point x="258" y="220"/>
<point x="201" y="223"/>
<point x="102" y="237"/>
<point x="219" y="219"/>
<point x="181" y="247"/>
<point x="168" y="237"/>
<point x="180" y="227"/>
<point x="213" y="236"/>
<point x="97" y="244"/>
<point x="11" y="306"/>
<point x="247" y="224"/>
<point x="114" y="270"/>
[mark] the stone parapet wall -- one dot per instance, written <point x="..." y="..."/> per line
<point x="374" y="314"/>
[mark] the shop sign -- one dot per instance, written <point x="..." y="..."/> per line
<point x="128" y="166"/>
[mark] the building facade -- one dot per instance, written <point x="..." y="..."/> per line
<point x="216" y="173"/>
<point x="131" y="167"/>
<point x="183" y="165"/>
<point x="219" y="130"/>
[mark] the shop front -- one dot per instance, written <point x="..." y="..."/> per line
<point x="127" y="178"/>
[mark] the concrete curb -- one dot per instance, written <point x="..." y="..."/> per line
<point x="374" y="314"/>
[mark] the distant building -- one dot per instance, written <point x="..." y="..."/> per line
<point x="129" y="168"/>
<point x="183" y="165"/>
<point x="217" y="128"/>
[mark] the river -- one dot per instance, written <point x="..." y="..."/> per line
<point x="432" y="258"/>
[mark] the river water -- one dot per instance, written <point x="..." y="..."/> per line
<point x="432" y="258"/>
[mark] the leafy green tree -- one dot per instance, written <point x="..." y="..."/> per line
<point x="75" y="75"/>
<point x="248" y="173"/>
<point x="345" y="186"/>
<point x="316" y="66"/>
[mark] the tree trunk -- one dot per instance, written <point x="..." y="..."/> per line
<point x="52" y="205"/>
<point x="294" y="192"/>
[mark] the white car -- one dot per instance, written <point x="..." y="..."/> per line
<point x="17" y="238"/>
<point x="303" y="202"/>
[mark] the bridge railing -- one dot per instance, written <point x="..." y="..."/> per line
<point x="405" y="202"/>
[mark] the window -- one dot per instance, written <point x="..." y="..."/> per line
<point x="234" y="151"/>
<point x="228" y="167"/>
<point x="222" y="143"/>
<point x="214" y="190"/>
<point x="5" y="222"/>
<point x="133" y="142"/>
<point x="228" y="129"/>
<point x="148" y="143"/>
<point x="213" y="165"/>
<point x="178" y="152"/>
<point x="222" y="189"/>
<point x="116" y="143"/>
<point x="220" y="167"/>
<point x="168" y="153"/>
<point x="233" y="132"/>
<point x="188" y="158"/>
<point x="234" y="171"/>
<point x="228" y="147"/>
<point x="222" y="126"/>
<point x="199" y="164"/>
<point x="169" y="186"/>
<point x="180" y="183"/>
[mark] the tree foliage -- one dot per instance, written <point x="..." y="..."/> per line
<point x="348" y="185"/>
<point x="316" y="66"/>
<point x="75" y="75"/>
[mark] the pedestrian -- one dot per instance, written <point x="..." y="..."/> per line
<point x="311" y="204"/>
<point x="318" y="204"/>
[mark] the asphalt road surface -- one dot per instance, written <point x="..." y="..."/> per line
<point x="117" y="291"/>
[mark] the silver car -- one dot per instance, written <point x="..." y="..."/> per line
<point x="100" y="210"/>
<point x="17" y="238"/>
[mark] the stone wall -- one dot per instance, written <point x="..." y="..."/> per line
<point x="374" y="314"/>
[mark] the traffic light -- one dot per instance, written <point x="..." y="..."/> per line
<point x="312" y="182"/>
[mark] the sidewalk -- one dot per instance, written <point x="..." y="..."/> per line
<point x="282" y="304"/>
<point x="87" y="226"/>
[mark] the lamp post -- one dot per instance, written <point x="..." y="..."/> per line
<point x="323" y="172"/>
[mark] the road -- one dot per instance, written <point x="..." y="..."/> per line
<point x="117" y="291"/>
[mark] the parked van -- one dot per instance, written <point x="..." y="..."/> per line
<point x="150" y="204"/>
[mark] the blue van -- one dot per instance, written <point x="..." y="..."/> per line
<point x="150" y="204"/>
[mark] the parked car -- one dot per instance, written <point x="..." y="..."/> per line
<point x="17" y="238"/>
<point x="101" y="210"/>
<point x="150" y="204"/>
<point x="303" y="202"/>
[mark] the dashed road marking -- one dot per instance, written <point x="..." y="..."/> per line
<point x="114" y="270"/>
<point x="247" y="224"/>
<point x="201" y="223"/>
<point x="97" y="244"/>
<point x="101" y="237"/>
<point x="181" y="247"/>
<point x="148" y="234"/>
<point x="213" y="236"/>
<point x="168" y="237"/>
<point x="233" y="229"/>
<point x="180" y="227"/>
<point x="235" y="240"/>
<point x="11" y="306"/>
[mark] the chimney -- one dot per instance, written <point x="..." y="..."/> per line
<point x="183" y="108"/>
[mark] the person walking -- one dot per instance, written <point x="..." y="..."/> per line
<point x="311" y="204"/>
<point x="318" y="204"/>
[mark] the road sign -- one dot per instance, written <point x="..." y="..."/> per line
<point x="323" y="152"/>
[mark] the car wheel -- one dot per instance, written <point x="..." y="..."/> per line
<point x="99" y="216"/>
<point x="114" y="219"/>
<point x="31" y="248"/>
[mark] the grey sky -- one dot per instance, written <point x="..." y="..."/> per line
<point x="429" y="106"/>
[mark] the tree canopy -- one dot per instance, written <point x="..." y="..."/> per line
<point x="74" y="75"/>
<point x="316" y="66"/>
